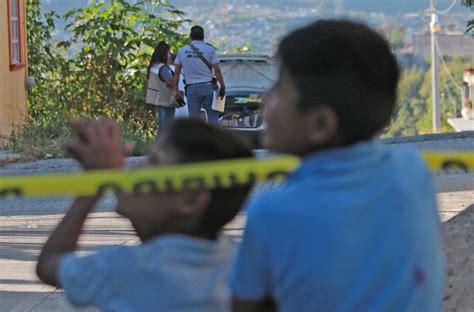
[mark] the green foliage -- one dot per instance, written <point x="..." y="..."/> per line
<point x="469" y="4"/>
<point x="44" y="63"/>
<point x="107" y="77"/>
<point x="394" y="33"/>
<point x="410" y="107"/>
<point x="414" y="111"/>
<point x="100" y="72"/>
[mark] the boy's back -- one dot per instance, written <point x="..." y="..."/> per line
<point x="338" y="236"/>
<point x="169" y="273"/>
<point x="355" y="228"/>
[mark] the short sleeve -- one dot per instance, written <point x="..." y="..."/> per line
<point x="214" y="57"/>
<point x="250" y="275"/>
<point x="87" y="280"/>
<point x="165" y="73"/>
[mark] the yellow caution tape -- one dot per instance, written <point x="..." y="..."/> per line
<point x="444" y="161"/>
<point x="215" y="174"/>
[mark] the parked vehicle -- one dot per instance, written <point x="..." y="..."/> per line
<point x="247" y="78"/>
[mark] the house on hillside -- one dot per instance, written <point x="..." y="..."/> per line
<point x="13" y="66"/>
<point x="468" y="84"/>
<point x="466" y="123"/>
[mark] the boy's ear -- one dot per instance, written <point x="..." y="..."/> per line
<point x="194" y="202"/>
<point x="322" y="125"/>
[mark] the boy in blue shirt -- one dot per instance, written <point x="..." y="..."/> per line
<point x="183" y="261"/>
<point x="356" y="226"/>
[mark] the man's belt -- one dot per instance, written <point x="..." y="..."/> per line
<point x="198" y="83"/>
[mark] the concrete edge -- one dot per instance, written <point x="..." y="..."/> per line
<point x="9" y="157"/>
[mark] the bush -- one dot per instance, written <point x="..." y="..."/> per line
<point x="100" y="72"/>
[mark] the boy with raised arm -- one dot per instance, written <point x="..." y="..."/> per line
<point x="183" y="261"/>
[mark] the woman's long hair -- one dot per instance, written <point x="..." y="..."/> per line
<point x="160" y="55"/>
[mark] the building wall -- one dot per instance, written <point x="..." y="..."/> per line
<point x="469" y="83"/>
<point x="13" y="108"/>
<point x="456" y="44"/>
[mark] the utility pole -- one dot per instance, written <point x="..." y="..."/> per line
<point x="435" y="28"/>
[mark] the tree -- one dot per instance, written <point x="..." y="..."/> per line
<point x="101" y="70"/>
<point x="394" y="33"/>
<point x="469" y="4"/>
<point x="44" y="63"/>
<point x="410" y="107"/>
<point x="413" y="113"/>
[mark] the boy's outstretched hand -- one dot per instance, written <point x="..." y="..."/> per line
<point x="96" y="144"/>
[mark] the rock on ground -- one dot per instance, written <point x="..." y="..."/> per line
<point x="459" y="247"/>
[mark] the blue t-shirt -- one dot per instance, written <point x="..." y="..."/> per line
<point x="354" y="229"/>
<point x="170" y="273"/>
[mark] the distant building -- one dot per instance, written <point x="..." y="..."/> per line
<point x="13" y="67"/>
<point x="465" y="123"/>
<point x="449" y="44"/>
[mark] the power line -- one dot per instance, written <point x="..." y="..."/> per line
<point x="440" y="56"/>
<point x="451" y="78"/>
<point x="434" y="10"/>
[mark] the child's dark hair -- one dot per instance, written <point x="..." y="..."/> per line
<point x="195" y="141"/>
<point x="160" y="55"/>
<point x="348" y="67"/>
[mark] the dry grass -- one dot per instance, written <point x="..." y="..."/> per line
<point x="43" y="142"/>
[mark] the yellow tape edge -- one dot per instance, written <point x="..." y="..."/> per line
<point x="223" y="173"/>
<point x="438" y="161"/>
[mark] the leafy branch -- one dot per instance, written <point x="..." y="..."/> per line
<point x="469" y="4"/>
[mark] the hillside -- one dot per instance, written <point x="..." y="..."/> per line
<point x="257" y="25"/>
<point x="389" y="7"/>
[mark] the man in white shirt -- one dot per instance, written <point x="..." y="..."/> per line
<point x="199" y="63"/>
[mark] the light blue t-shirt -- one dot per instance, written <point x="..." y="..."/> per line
<point x="164" y="73"/>
<point x="354" y="229"/>
<point x="170" y="273"/>
<point x="194" y="69"/>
